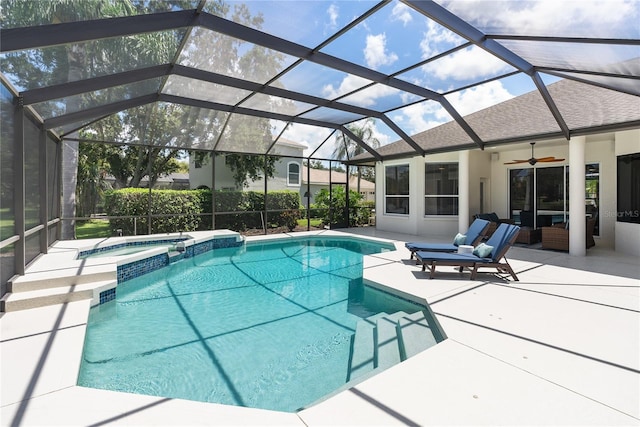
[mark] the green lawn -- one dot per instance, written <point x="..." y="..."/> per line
<point x="315" y="222"/>
<point x="100" y="228"/>
<point x="92" y="228"/>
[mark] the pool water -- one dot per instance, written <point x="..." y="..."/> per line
<point x="269" y="326"/>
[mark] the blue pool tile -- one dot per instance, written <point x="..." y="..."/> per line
<point x="108" y="295"/>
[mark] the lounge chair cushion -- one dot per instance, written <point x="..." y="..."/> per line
<point x="458" y="259"/>
<point x="435" y="247"/>
<point x="460" y="239"/>
<point x="483" y="250"/>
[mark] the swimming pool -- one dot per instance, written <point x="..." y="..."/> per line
<point x="270" y="325"/>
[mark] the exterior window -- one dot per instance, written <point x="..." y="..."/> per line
<point x="441" y="189"/>
<point x="628" y="188"/>
<point x="397" y="189"/>
<point x="293" y="174"/>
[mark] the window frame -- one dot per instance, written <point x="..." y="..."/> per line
<point x="289" y="173"/>
<point x="627" y="178"/>
<point x="400" y="195"/>
<point x="442" y="196"/>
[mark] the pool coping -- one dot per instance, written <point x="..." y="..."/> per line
<point x="386" y="398"/>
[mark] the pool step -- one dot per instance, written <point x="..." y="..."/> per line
<point x="26" y="299"/>
<point x="362" y="355"/>
<point x="384" y="340"/>
<point x="387" y="342"/>
<point x="415" y="334"/>
<point x="76" y="275"/>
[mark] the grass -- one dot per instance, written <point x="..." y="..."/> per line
<point x="7" y="223"/>
<point x="95" y="228"/>
<point x="92" y="228"/>
<point x="315" y="222"/>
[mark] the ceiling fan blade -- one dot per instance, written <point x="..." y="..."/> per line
<point x="550" y="159"/>
<point x="532" y="161"/>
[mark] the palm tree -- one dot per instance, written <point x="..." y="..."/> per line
<point x="346" y="148"/>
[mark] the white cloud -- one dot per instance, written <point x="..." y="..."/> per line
<point x="348" y="84"/>
<point x="420" y="117"/>
<point x="368" y="97"/>
<point x="426" y="115"/>
<point x="477" y="98"/>
<point x="437" y="39"/>
<point x="375" y="52"/>
<point x="333" y="15"/>
<point x="325" y="151"/>
<point x="311" y="136"/>
<point x="401" y="12"/>
<point x="465" y="64"/>
<point x="376" y="133"/>
<point x="591" y="18"/>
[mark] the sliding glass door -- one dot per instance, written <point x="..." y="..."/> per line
<point x="539" y="196"/>
<point x="521" y="196"/>
<point x="551" y="196"/>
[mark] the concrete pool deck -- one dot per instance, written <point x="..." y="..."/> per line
<point x="559" y="347"/>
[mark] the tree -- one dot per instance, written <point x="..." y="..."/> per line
<point x="164" y="128"/>
<point x="315" y="164"/>
<point x="155" y="128"/>
<point x="181" y="166"/>
<point x="92" y="183"/>
<point x="346" y="148"/>
<point x="247" y="167"/>
<point x="79" y="61"/>
<point x="368" y="173"/>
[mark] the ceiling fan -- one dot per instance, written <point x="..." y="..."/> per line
<point x="532" y="161"/>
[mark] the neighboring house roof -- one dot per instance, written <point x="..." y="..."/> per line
<point x="289" y="143"/>
<point x="179" y="177"/>
<point x="321" y="177"/>
<point x="586" y="109"/>
<point x="172" y="177"/>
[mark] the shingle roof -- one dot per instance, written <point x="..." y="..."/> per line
<point x="586" y="109"/>
<point x="321" y="177"/>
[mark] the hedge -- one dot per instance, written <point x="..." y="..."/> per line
<point x="189" y="205"/>
<point x="185" y="205"/>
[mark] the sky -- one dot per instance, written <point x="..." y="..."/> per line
<point x="396" y="37"/>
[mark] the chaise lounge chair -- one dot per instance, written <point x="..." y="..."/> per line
<point x="494" y="221"/>
<point x="499" y="243"/>
<point x="474" y="235"/>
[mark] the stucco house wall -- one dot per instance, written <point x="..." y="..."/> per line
<point x="489" y="167"/>
<point x="202" y="176"/>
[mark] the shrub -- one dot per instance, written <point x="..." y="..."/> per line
<point x="332" y="211"/>
<point x="183" y="206"/>
<point x="286" y="205"/>
<point x="192" y="210"/>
